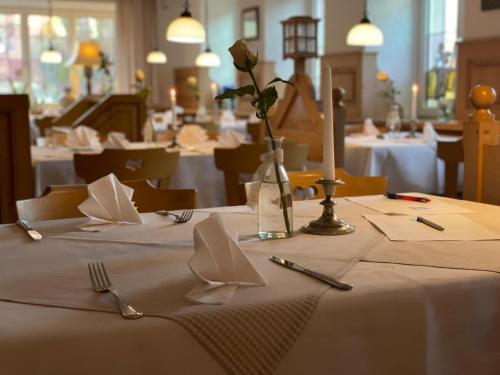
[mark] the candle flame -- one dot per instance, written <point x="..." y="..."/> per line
<point x="414" y="87"/>
<point x="172" y="91"/>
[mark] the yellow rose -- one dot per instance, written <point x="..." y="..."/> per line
<point x="139" y="75"/>
<point x="382" y="76"/>
<point x="243" y="56"/>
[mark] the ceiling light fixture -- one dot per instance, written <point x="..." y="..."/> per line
<point x="185" y="29"/>
<point x="365" y="33"/>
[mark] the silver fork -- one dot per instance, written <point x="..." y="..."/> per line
<point x="184" y="217"/>
<point x="102" y="284"/>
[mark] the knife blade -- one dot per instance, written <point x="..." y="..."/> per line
<point x="319" y="276"/>
<point x="34" y="234"/>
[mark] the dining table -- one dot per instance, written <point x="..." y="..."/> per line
<point x="410" y="164"/>
<point x="416" y="307"/>
<point x="53" y="165"/>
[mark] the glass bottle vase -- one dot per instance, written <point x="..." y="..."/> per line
<point x="274" y="205"/>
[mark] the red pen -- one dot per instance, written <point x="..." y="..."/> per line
<point x="408" y="197"/>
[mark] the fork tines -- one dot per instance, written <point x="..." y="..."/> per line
<point x="185" y="216"/>
<point x="98" y="276"/>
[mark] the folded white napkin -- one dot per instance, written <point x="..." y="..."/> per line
<point x="219" y="263"/>
<point x="227" y="115"/>
<point x="116" y="140"/>
<point x="83" y="136"/>
<point x="430" y="135"/>
<point x="202" y="115"/>
<point x="109" y="204"/>
<point x="369" y="128"/>
<point x="192" y="134"/>
<point x="231" y="139"/>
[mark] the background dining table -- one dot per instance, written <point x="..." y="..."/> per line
<point x="196" y="170"/>
<point x="417" y="307"/>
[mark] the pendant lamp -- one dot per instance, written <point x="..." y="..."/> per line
<point x="207" y="58"/>
<point x="51" y="55"/>
<point x="185" y="29"/>
<point x="156" y="56"/>
<point x="365" y="33"/>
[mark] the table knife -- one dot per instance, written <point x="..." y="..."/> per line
<point x="29" y="230"/>
<point x="322" y="277"/>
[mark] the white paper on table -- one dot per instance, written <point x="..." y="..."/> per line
<point x="219" y="263"/>
<point x="83" y="136"/>
<point x="385" y="205"/>
<point x="109" y="204"/>
<point x="192" y="134"/>
<point x="231" y="139"/>
<point x="369" y="128"/>
<point x="407" y="228"/>
<point x="117" y="141"/>
<point x="429" y="133"/>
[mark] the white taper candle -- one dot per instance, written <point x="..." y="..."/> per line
<point x="414" y="95"/>
<point x="328" y="151"/>
<point x="173" y="103"/>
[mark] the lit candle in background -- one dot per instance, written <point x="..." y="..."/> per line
<point x="173" y="104"/>
<point x="414" y="95"/>
<point x="328" y="152"/>
<point x="215" y="89"/>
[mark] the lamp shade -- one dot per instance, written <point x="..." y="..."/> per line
<point x="156" y="57"/>
<point x="185" y="29"/>
<point x="51" y="56"/>
<point x="208" y="59"/>
<point x="86" y="53"/>
<point x="365" y="33"/>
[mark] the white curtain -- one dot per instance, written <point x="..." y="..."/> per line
<point x="136" y="31"/>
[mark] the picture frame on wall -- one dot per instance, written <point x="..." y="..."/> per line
<point x="250" y="23"/>
<point x="490" y="4"/>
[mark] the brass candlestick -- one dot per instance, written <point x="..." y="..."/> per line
<point x="328" y="224"/>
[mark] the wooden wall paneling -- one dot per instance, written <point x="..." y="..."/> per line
<point x="123" y="113"/>
<point x="16" y="173"/>
<point x="186" y="96"/>
<point x="478" y="63"/>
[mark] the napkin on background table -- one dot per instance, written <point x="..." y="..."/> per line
<point x="192" y="134"/>
<point x="369" y="128"/>
<point x="109" y="204"/>
<point x="219" y="263"/>
<point x="429" y="133"/>
<point x="83" y="136"/>
<point x="231" y="139"/>
<point x="116" y="140"/>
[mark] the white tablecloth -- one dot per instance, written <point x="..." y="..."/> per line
<point x="196" y="170"/>
<point x="409" y="164"/>
<point x="398" y="319"/>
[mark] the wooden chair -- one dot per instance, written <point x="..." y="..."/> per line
<point x="128" y="165"/>
<point x="246" y="158"/>
<point x="16" y="171"/>
<point x="304" y="181"/>
<point x="61" y="202"/>
<point x="482" y="149"/>
<point x="452" y="153"/>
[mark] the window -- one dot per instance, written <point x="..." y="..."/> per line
<point x="24" y="35"/>
<point x="11" y="61"/>
<point x="440" y="54"/>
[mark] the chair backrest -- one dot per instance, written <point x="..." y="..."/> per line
<point x="304" y="185"/>
<point x="452" y="153"/>
<point x="127" y="165"/>
<point x="246" y="158"/>
<point x="61" y="202"/>
<point x="16" y="171"/>
<point x="482" y="149"/>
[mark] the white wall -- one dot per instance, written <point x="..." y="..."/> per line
<point x="475" y="24"/>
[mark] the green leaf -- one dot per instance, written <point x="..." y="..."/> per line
<point x="231" y="93"/>
<point x="278" y="79"/>
<point x="269" y="97"/>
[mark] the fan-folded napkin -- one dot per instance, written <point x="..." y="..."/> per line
<point x="369" y="128"/>
<point x="116" y="140"/>
<point x="83" y="136"/>
<point x="219" y="263"/>
<point x="231" y="139"/>
<point x="430" y="135"/>
<point x="109" y="202"/>
<point x="192" y="134"/>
